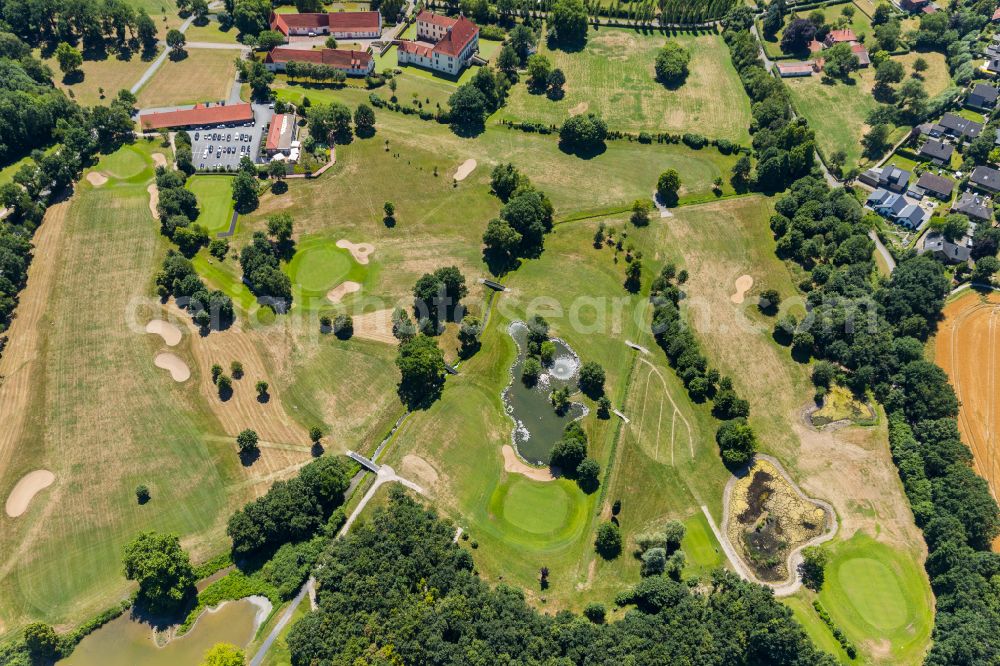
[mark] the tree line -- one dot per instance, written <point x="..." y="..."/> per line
<point x="875" y="332"/>
<point x="397" y="589"/>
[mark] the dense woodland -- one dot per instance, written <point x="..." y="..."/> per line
<point x="399" y="590"/>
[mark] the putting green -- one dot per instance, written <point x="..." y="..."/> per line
<point x="541" y="513"/>
<point x="129" y="162"/>
<point x="319" y="265"/>
<point x="874" y="591"/>
<point x="539" y="508"/>
<point x="878" y="595"/>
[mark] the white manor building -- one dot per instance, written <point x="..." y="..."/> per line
<point x="443" y="44"/>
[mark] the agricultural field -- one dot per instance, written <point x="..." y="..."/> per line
<point x="966" y="348"/>
<point x="205" y="75"/>
<point x="614" y="77"/>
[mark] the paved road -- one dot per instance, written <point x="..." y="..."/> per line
<point x="385" y="475"/>
<point x="883" y="250"/>
<point x="285" y="618"/>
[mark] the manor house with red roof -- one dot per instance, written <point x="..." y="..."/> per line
<point x="443" y="44"/>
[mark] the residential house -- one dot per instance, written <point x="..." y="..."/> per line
<point x="974" y="206"/>
<point x="839" y="36"/>
<point x="996" y="16"/>
<point x="893" y="178"/>
<point x="937" y="151"/>
<point x="861" y="53"/>
<point x="957" y="127"/>
<point x="340" y="25"/>
<point x="935" y="185"/>
<point x="443" y="44"/>
<point x="945" y="250"/>
<point x="985" y="178"/>
<point x="897" y="208"/>
<point x="913" y="5"/>
<point x="991" y="67"/>
<point x="352" y="63"/>
<point x="983" y="97"/>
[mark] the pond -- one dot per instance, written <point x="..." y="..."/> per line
<point x="537" y="427"/>
<point x="125" y="642"/>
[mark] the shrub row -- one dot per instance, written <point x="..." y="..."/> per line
<point x="838" y="633"/>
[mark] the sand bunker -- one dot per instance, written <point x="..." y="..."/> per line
<point x="178" y="368"/>
<point x="511" y="463"/>
<point x="375" y="326"/>
<point x="170" y="333"/>
<point x="359" y="251"/>
<point x="154" y="200"/>
<point x="743" y="284"/>
<point x="579" y="108"/>
<point x="96" y="179"/>
<point x="159" y="160"/>
<point x="337" y="294"/>
<point x="465" y="169"/>
<point x="29" y="485"/>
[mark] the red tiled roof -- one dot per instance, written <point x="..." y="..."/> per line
<point x="278" y="121"/>
<point x="861" y="53"/>
<point x="463" y="32"/>
<point x="416" y="48"/>
<point x="996" y="15"/>
<point x="199" y="115"/>
<point x="341" y="59"/>
<point x="436" y="19"/>
<point x="348" y="21"/>
<point x="836" y="36"/>
<point x="337" y="21"/>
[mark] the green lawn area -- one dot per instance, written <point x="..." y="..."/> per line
<point x="614" y="77"/>
<point x="936" y="77"/>
<point x="317" y="267"/>
<point x="112" y="74"/>
<point x="95" y="377"/>
<point x="7" y="173"/>
<point x="538" y="514"/>
<point x="205" y="75"/>
<point x="836" y="111"/>
<point x="215" y="201"/>
<point x="877" y="595"/>
<point x="819" y="633"/>
<point x="211" y="32"/>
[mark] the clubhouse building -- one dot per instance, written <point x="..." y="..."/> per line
<point x="339" y="25"/>
<point x="352" y="63"/>
<point x="443" y="44"/>
<point x="201" y="115"/>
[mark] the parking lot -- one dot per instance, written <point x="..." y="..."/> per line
<point x="221" y="147"/>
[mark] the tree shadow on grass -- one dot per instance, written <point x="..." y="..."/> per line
<point x="249" y="457"/>
<point x="584" y="152"/>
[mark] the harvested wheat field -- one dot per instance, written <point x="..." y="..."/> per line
<point x="966" y="348"/>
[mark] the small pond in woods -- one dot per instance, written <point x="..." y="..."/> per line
<point x="537" y="426"/>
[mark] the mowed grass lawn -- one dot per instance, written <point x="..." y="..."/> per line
<point x="614" y="77"/>
<point x="104" y="419"/>
<point x="878" y="595"/>
<point x="206" y="75"/>
<point x="215" y="201"/>
<point x="112" y="74"/>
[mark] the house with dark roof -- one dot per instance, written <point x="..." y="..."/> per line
<point x="340" y="25"/>
<point x="937" y="151"/>
<point x="958" y="127"/>
<point x="991" y="67"/>
<point x="913" y="5"/>
<point x="352" y="63"/>
<point x="974" y="206"/>
<point x="897" y="208"/>
<point x="945" y="250"/>
<point x="985" y="178"/>
<point x="935" y="185"/>
<point x="983" y="97"/>
<point x="443" y="43"/>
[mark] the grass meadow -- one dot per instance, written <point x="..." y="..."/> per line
<point x="112" y="74"/>
<point x="614" y="77"/>
<point x="60" y="562"/>
<point x="205" y="75"/>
